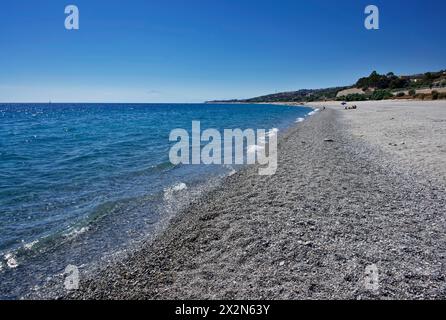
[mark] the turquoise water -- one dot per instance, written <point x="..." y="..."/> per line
<point x="78" y="181"/>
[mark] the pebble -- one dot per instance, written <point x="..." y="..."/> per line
<point x="344" y="227"/>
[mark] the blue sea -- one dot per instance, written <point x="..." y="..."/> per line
<point x="82" y="183"/>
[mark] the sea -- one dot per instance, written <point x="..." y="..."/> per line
<point x="82" y="184"/>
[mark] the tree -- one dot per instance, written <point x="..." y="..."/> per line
<point x="356" y="97"/>
<point x="381" y="95"/>
<point x="435" y="95"/>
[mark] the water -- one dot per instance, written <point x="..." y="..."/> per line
<point x="79" y="182"/>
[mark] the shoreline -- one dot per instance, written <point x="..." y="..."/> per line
<point x="116" y="224"/>
<point x="337" y="204"/>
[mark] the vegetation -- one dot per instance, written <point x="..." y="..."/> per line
<point x="435" y="95"/>
<point x="304" y="95"/>
<point x="376" y="87"/>
<point x="374" y="95"/>
<point x="389" y="81"/>
<point x="420" y="96"/>
<point x="354" y="97"/>
<point x="381" y="95"/>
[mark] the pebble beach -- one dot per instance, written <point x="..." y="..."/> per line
<point x="355" y="190"/>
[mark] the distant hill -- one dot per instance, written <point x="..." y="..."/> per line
<point x="374" y="87"/>
<point x="303" y="95"/>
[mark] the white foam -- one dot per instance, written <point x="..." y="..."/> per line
<point x="76" y="232"/>
<point x="179" y="187"/>
<point x="313" y="112"/>
<point x="30" y="245"/>
<point x="11" y="262"/>
<point x="168" y="192"/>
<point x="231" y="170"/>
<point x="300" y="120"/>
<point x="269" y="134"/>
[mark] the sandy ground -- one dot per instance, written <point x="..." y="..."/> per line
<point x="413" y="131"/>
<point x="343" y="204"/>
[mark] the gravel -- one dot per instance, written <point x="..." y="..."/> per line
<point x="333" y="209"/>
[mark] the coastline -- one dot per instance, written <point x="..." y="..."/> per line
<point x="338" y="203"/>
<point x="119" y="208"/>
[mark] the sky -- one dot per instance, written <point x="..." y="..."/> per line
<point x="196" y="50"/>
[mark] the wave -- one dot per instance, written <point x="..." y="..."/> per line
<point x="231" y="170"/>
<point x="11" y="261"/>
<point x="111" y="199"/>
<point x="74" y="232"/>
<point x="269" y="134"/>
<point x="30" y="245"/>
<point x="170" y="191"/>
<point x="154" y="169"/>
<point x="163" y="166"/>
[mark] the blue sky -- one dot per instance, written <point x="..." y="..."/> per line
<point x="191" y="51"/>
